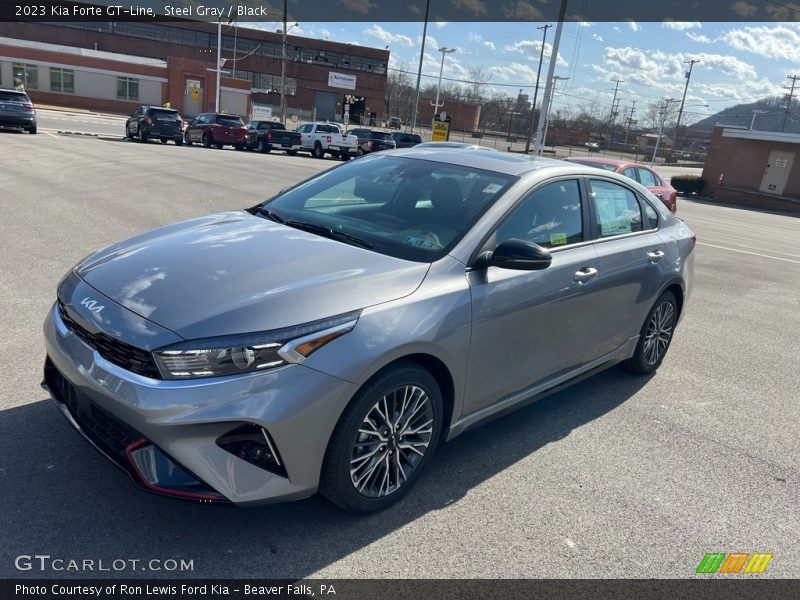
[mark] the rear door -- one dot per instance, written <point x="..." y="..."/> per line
<point x="630" y="266"/>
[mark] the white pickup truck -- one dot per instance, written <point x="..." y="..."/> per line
<point x="326" y="138"/>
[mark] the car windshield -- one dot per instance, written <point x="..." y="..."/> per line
<point x="13" y="97"/>
<point x="596" y="165"/>
<point x="403" y="207"/>
<point x="230" y="121"/>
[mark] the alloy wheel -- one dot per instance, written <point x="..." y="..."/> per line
<point x="391" y="441"/>
<point x="659" y="332"/>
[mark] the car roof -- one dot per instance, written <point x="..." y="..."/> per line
<point x="482" y="158"/>
<point x="607" y="161"/>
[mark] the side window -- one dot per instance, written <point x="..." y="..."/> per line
<point x="550" y="216"/>
<point x="630" y="173"/>
<point x="616" y="208"/>
<point x="651" y="216"/>
<point x="647" y="178"/>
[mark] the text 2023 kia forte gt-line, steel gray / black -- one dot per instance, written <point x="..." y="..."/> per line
<point x="330" y="338"/>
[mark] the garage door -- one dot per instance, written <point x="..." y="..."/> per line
<point x="325" y="104"/>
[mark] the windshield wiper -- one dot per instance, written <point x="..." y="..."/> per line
<point x="270" y="214"/>
<point x="329" y="232"/>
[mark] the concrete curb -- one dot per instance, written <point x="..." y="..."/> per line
<point x="85" y="133"/>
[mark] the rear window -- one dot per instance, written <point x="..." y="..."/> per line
<point x="327" y="129"/>
<point x="14" y="97"/>
<point x="161" y="113"/>
<point x="230" y="121"/>
<point x="587" y="163"/>
<point x="380" y="135"/>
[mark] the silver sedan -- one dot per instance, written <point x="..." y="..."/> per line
<point x="330" y="338"/>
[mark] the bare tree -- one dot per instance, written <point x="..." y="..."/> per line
<point x="397" y="95"/>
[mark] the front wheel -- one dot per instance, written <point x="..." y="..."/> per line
<point x="383" y="440"/>
<point x="655" y="336"/>
<point x="344" y="155"/>
<point x="317" y="152"/>
<point x="32" y="130"/>
<point x="206" y="140"/>
<point x="179" y="141"/>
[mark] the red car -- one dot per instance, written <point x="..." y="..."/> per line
<point x="638" y="172"/>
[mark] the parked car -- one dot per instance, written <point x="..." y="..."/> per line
<point x="461" y="145"/>
<point x="394" y="123"/>
<point x="592" y="146"/>
<point x="218" y="130"/>
<point x="155" y="123"/>
<point x="638" y="172"/>
<point x="17" y="110"/>
<point x="370" y="140"/>
<point x="358" y="320"/>
<point x="327" y="138"/>
<point x="266" y="136"/>
<point x="406" y="140"/>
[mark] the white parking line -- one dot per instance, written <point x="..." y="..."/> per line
<point x="797" y="262"/>
<point x="755" y="248"/>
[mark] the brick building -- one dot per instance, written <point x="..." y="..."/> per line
<point x="759" y="168"/>
<point x="321" y="76"/>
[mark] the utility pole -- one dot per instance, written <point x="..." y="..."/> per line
<point x="556" y="79"/>
<point x="688" y="76"/>
<point x="536" y="89"/>
<point x="614" y="113"/>
<point x="562" y="13"/>
<point x="628" y="129"/>
<point x="415" y="105"/>
<point x="789" y="97"/>
<point x="613" y="109"/>
<point x="662" y="118"/>
<point x="219" y="64"/>
<point x="283" y="62"/>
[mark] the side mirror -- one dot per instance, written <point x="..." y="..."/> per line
<point x="518" y="255"/>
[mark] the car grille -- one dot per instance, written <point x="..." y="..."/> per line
<point x="121" y="354"/>
<point x="108" y="433"/>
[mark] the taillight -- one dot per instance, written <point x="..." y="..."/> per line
<point x="694" y="238"/>
<point x="28" y="105"/>
<point x="180" y="124"/>
<point x="368" y="145"/>
<point x="148" y="121"/>
<point x="269" y="136"/>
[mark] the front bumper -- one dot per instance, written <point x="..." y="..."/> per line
<point x="183" y="420"/>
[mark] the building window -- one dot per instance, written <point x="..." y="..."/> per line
<point x="62" y="80"/>
<point x="127" y="88"/>
<point x="26" y="76"/>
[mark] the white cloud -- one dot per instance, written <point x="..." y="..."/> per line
<point x="699" y="38"/>
<point x="478" y="39"/>
<point x="778" y="42"/>
<point x="633" y="25"/>
<point x="378" y="32"/>
<point x="532" y="48"/>
<point x="430" y="42"/>
<point x="515" y="72"/>
<point x="489" y="45"/>
<point x="441" y="24"/>
<point x="681" y="25"/>
<point x="597" y="37"/>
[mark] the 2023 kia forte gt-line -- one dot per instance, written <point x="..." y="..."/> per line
<point x="330" y="338"/>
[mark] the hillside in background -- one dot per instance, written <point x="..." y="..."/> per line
<point x="770" y="119"/>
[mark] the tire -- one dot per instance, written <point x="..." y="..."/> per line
<point x="655" y="336"/>
<point x="128" y="135"/>
<point x="32" y="130"/>
<point x="206" y="140"/>
<point x="219" y="146"/>
<point x="187" y="140"/>
<point x="344" y="155"/>
<point x="404" y="390"/>
<point x="262" y="147"/>
<point x="179" y="141"/>
<point x="142" y="136"/>
<point x="162" y="140"/>
<point x="238" y="147"/>
<point x="291" y="152"/>
<point x="318" y="152"/>
<point x="360" y="151"/>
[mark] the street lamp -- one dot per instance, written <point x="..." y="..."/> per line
<point x="555" y="81"/>
<point x="436" y="104"/>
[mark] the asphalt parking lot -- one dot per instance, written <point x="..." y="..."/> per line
<point x="616" y="477"/>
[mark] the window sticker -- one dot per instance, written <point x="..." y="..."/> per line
<point x="558" y="239"/>
<point x="426" y="241"/>
<point x="492" y="188"/>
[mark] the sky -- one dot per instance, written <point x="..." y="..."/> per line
<point x="739" y="62"/>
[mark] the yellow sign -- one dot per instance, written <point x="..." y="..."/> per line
<point x="195" y="93"/>
<point x="441" y="131"/>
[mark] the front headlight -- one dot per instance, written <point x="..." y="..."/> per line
<point x="236" y="354"/>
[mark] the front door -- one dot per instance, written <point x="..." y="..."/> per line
<point x="528" y="326"/>
<point x="776" y="173"/>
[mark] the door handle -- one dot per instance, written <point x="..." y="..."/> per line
<point x="655" y="256"/>
<point x="585" y="274"/>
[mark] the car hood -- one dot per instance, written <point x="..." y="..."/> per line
<point x="238" y="273"/>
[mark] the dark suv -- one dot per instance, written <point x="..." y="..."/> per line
<point x="406" y="140"/>
<point x="372" y="141"/>
<point x="218" y="130"/>
<point x="155" y="123"/>
<point x="16" y="110"/>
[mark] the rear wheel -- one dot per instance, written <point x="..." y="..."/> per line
<point x="32" y="130"/>
<point x="291" y="152"/>
<point x="142" y="136"/>
<point x="317" y="152"/>
<point x="262" y="146"/>
<point x="344" y="155"/>
<point x="655" y="336"/>
<point x="206" y="140"/>
<point x="383" y="440"/>
<point x="179" y="141"/>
